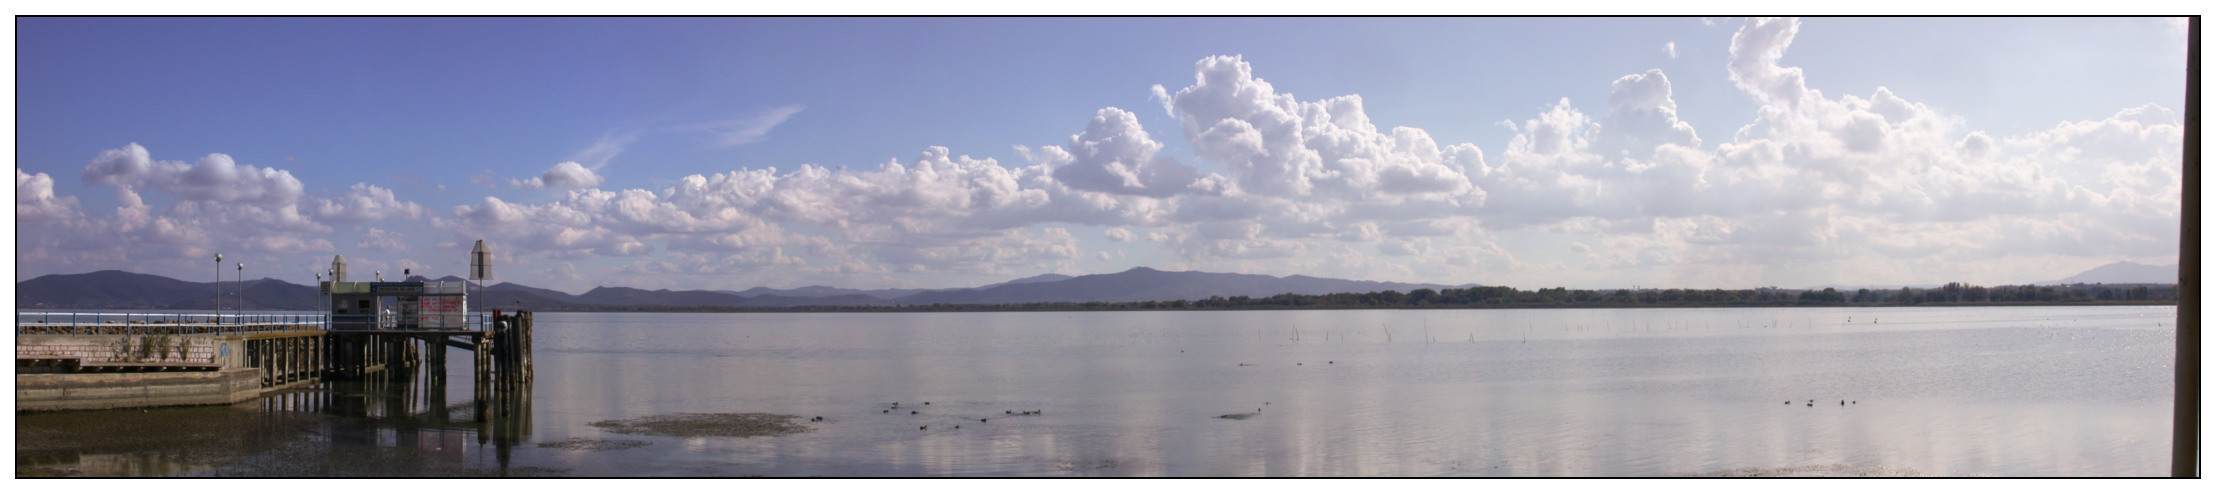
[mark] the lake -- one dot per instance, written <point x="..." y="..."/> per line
<point x="1961" y="391"/>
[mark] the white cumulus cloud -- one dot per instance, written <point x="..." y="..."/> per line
<point x="35" y="200"/>
<point x="366" y="203"/>
<point x="564" y="175"/>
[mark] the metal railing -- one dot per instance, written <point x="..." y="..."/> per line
<point x="155" y="323"/>
<point x="471" y="321"/>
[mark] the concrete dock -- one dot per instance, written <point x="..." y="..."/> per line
<point x="141" y="361"/>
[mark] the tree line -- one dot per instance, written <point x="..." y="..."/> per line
<point x="1510" y="297"/>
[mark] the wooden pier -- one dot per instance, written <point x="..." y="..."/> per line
<point x="58" y="357"/>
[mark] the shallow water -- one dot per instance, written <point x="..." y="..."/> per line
<point x="2043" y="391"/>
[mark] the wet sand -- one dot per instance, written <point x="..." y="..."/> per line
<point x="707" y="425"/>
<point x="582" y="444"/>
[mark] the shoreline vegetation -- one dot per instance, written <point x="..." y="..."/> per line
<point x="1501" y="297"/>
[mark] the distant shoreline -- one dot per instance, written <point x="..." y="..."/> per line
<point x="1080" y="307"/>
<point x="1471" y="297"/>
<point x="1158" y="306"/>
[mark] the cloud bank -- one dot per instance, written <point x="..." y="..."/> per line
<point x="1851" y="187"/>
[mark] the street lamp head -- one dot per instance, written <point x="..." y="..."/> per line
<point x="219" y="257"/>
<point x="242" y="266"/>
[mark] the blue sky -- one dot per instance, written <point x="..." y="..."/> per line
<point x="1999" y="151"/>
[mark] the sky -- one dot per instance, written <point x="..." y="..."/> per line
<point x="728" y="153"/>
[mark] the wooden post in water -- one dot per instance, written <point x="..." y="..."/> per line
<point x="435" y="348"/>
<point x="478" y="371"/>
<point x="524" y="323"/>
<point x="348" y="355"/>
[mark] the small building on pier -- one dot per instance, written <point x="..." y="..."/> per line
<point x="397" y="305"/>
<point x="394" y="305"/>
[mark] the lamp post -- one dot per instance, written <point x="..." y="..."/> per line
<point x="218" y="288"/>
<point x="242" y="291"/>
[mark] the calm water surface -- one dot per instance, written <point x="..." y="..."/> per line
<point x="2060" y="391"/>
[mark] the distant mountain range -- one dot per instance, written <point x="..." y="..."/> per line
<point x="2123" y="272"/>
<point x="1144" y="284"/>
<point x="124" y="290"/>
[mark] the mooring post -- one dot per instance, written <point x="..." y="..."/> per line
<point x="507" y="353"/>
<point x="436" y="348"/>
<point x="523" y="324"/>
<point x="477" y="361"/>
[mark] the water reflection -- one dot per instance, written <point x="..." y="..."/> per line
<point x="414" y="410"/>
<point x="1952" y="392"/>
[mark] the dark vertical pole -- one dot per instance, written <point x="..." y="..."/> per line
<point x="2185" y="419"/>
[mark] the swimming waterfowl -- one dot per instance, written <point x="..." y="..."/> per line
<point x="911" y="412"/>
